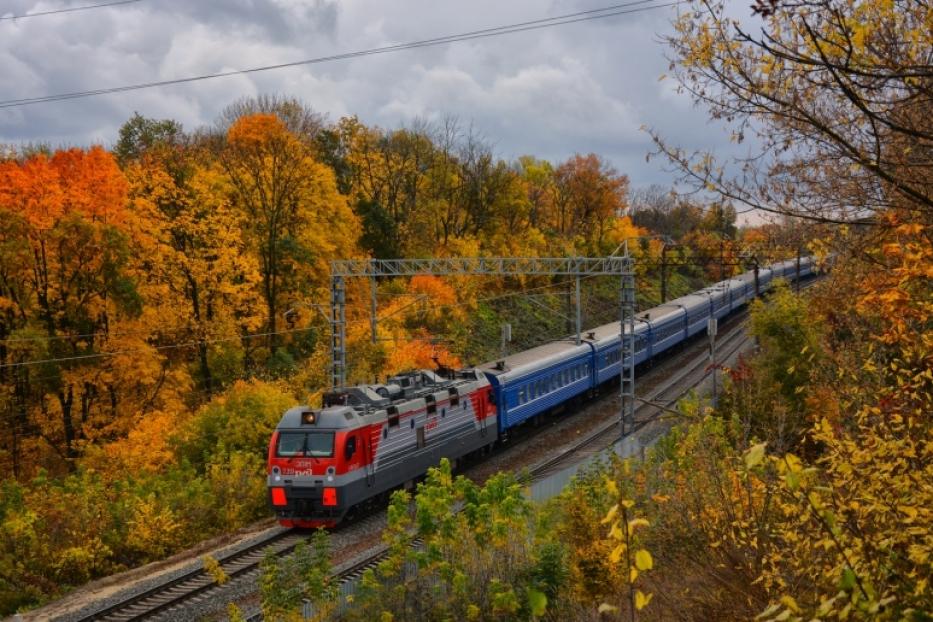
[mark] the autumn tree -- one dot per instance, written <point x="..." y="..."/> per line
<point x="538" y="177"/>
<point x="65" y="285"/>
<point x="140" y="134"/>
<point x="197" y="254"/>
<point x="589" y="194"/>
<point x="386" y="176"/>
<point x="297" y="117"/>
<point x="837" y="95"/>
<point x="292" y="214"/>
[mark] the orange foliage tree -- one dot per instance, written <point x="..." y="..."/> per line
<point x="66" y="287"/>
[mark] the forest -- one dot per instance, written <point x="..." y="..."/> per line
<point x="163" y="300"/>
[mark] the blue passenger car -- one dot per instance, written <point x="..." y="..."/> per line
<point x="698" y="307"/>
<point x="531" y="382"/>
<point x="607" y="341"/>
<point x="668" y="326"/>
<point x="719" y="296"/>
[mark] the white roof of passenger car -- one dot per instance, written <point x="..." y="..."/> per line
<point x="528" y="361"/>
<point x="661" y="313"/>
<point x="692" y="301"/>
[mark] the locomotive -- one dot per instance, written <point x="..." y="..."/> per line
<point x="370" y="439"/>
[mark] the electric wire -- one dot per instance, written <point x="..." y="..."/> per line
<point x="538" y="24"/>
<point x="68" y="10"/>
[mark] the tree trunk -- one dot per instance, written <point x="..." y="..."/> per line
<point x="66" y="401"/>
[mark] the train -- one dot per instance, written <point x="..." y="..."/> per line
<point x="368" y="440"/>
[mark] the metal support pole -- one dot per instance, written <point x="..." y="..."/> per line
<point x="712" y="329"/>
<point x="722" y="260"/>
<point x="373" y="322"/>
<point x="663" y="274"/>
<point x="627" y="371"/>
<point x="797" y="280"/>
<point x="338" y="321"/>
<point x="756" y="277"/>
<point x="579" y="312"/>
<point x="506" y="339"/>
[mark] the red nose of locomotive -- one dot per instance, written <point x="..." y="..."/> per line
<point x="304" y="469"/>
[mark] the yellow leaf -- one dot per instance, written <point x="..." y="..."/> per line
<point x="607" y="608"/>
<point x="911" y="512"/>
<point x="611" y="515"/>
<point x="642" y="600"/>
<point x="632" y="574"/>
<point x="790" y="603"/>
<point x="755" y="455"/>
<point x="615" y="533"/>
<point x="643" y="560"/>
<point x="617" y="553"/>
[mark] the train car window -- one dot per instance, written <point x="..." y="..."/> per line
<point x="521" y="396"/>
<point x="349" y="448"/>
<point x="431" y="405"/>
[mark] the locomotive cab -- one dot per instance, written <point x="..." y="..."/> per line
<point x="309" y="454"/>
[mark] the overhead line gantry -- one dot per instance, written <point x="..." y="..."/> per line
<point x="576" y="267"/>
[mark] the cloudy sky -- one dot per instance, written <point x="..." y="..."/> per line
<point x="585" y="87"/>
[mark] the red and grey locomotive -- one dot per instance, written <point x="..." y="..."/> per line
<point x="369" y="439"/>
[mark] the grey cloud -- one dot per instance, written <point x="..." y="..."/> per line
<point x="580" y="88"/>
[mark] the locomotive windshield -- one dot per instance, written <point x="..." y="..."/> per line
<point x="300" y="444"/>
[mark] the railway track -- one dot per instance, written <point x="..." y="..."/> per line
<point x="159" y="601"/>
<point x="194" y="582"/>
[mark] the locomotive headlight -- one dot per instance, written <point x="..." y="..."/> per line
<point x="330" y="478"/>
<point x="308" y="417"/>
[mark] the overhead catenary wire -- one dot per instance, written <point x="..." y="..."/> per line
<point x="636" y="6"/>
<point x="71" y="9"/>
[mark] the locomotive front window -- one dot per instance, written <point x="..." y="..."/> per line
<point x="291" y="444"/>
<point x="300" y="444"/>
<point x="320" y="444"/>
